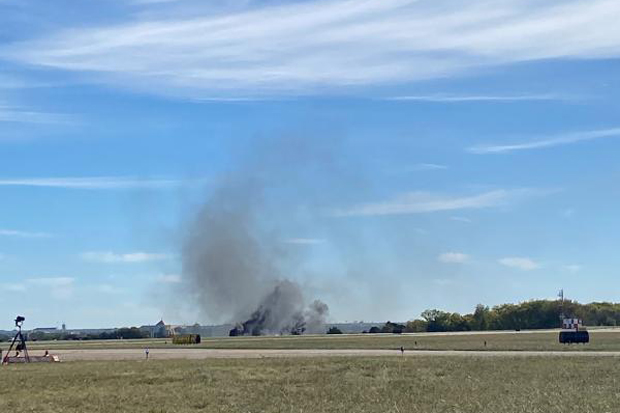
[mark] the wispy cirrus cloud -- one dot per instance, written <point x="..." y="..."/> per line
<point x="169" y="279"/>
<point x="573" y="268"/>
<point x="109" y="289"/>
<point x="453" y="258"/>
<point x="520" y="263"/>
<point x="461" y="219"/>
<point x="23" y="234"/>
<point x="424" y="202"/>
<point x="429" y="167"/>
<point x="132" y="257"/>
<point x="52" y="281"/>
<point x="267" y="49"/>
<point x="14" y="287"/>
<point x="61" y="288"/>
<point x="474" y="98"/>
<point x="21" y="115"/>
<point x="304" y="241"/>
<point x="557" y="140"/>
<point x="99" y="182"/>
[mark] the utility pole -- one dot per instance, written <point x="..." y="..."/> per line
<point x="561" y="296"/>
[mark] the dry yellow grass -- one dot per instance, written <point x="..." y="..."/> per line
<point x="393" y="384"/>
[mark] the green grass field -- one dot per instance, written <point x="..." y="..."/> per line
<point x="600" y="341"/>
<point x="389" y="384"/>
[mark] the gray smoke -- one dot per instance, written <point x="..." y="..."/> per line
<point x="234" y="264"/>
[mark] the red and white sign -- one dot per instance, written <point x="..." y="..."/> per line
<point x="571" y="324"/>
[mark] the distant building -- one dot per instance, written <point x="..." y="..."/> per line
<point x="158" y="330"/>
<point x="161" y="329"/>
<point x="45" y="330"/>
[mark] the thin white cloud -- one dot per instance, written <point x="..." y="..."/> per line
<point x="100" y="182"/>
<point x="567" y="213"/>
<point x="61" y="288"/>
<point x="109" y="289"/>
<point x="573" y="268"/>
<point x="424" y="202"/>
<point x="461" y="219"/>
<point x="429" y="167"/>
<point x="133" y="257"/>
<point x="309" y="46"/>
<point x="17" y="115"/>
<point x="521" y="263"/>
<point x="169" y="278"/>
<point x="14" y="287"/>
<point x="304" y="241"/>
<point x="143" y="2"/>
<point x="548" y="142"/>
<point x="474" y="98"/>
<point x="443" y="282"/>
<point x="453" y="258"/>
<point x="23" y="234"/>
<point x="11" y="81"/>
<point x="52" y="281"/>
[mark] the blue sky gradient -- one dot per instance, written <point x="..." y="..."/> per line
<point x="474" y="148"/>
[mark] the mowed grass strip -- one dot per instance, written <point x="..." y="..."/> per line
<point x="393" y="384"/>
<point x="516" y="341"/>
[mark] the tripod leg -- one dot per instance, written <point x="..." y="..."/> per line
<point x="8" y="353"/>
<point x="24" y="348"/>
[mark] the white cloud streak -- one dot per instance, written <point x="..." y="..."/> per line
<point x="304" y="241"/>
<point x="520" y="263"/>
<point x="461" y="219"/>
<point x="429" y="167"/>
<point x="169" y="279"/>
<point x="23" y="234"/>
<point x="133" y="257"/>
<point x="101" y="182"/>
<point x="453" y="258"/>
<point x="109" y="289"/>
<point x="14" y="287"/>
<point x="309" y="46"/>
<point x="474" y="98"/>
<point x="51" y="282"/>
<point x="17" y="115"/>
<point x="423" y="202"/>
<point x="59" y="287"/>
<point x="559" y="140"/>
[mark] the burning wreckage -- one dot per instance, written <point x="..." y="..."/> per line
<point x="281" y="313"/>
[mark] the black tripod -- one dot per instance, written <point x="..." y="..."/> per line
<point x="19" y="339"/>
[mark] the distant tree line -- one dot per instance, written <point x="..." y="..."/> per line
<point x="120" y="333"/>
<point x="536" y="314"/>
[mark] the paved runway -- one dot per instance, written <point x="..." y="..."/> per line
<point x="168" y="354"/>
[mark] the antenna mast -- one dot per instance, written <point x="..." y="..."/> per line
<point x="561" y="296"/>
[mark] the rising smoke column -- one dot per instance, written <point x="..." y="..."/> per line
<point x="231" y="264"/>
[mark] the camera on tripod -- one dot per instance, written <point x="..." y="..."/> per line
<point x="19" y="321"/>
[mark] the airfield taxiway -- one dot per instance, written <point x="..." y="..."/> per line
<point x="195" y="354"/>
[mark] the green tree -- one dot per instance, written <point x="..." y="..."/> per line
<point x="334" y="330"/>
<point x="481" y="318"/>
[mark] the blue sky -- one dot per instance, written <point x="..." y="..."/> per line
<point x="475" y="148"/>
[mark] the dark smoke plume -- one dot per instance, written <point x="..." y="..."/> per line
<point x="233" y="263"/>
